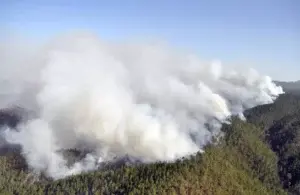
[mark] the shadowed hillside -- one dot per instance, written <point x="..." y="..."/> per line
<point x="290" y="87"/>
<point x="281" y="123"/>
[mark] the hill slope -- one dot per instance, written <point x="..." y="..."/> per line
<point x="289" y="87"/>
<point x="240" y="164"/>
<point x="281" y="124"/>
<point x="254" y="157"/>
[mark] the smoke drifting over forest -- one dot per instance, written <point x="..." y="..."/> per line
<point x="146" y="102"/>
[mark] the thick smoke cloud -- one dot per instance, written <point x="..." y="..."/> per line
<point x="115" y="99"/>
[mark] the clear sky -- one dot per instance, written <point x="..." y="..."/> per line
<point x="265" y="33"/>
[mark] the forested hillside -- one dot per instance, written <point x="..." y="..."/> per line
<point x="281" y="124"/>
<point x="240" y="164"/>
<point x="260" y="156"/>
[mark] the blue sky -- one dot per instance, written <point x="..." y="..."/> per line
<point x="264" y="33"/>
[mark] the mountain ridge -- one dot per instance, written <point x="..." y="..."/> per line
<point x="289" y="86"/>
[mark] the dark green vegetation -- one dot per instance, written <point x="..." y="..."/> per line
<point x="240" y="164"/>
<point x="281" y="124"/>
<point x="261" y="156"/>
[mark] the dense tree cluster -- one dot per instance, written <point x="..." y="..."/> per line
<point x="281" y="124"/>
<point x="240" y="164"/>
<point x="260" y="156"/>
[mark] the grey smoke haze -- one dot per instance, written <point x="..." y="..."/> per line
<point x="115" y="99"/>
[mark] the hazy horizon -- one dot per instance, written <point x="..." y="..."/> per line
<point x="261" y="34"/>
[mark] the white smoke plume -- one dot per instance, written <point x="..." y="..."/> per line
<point x="118" y="99"/>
